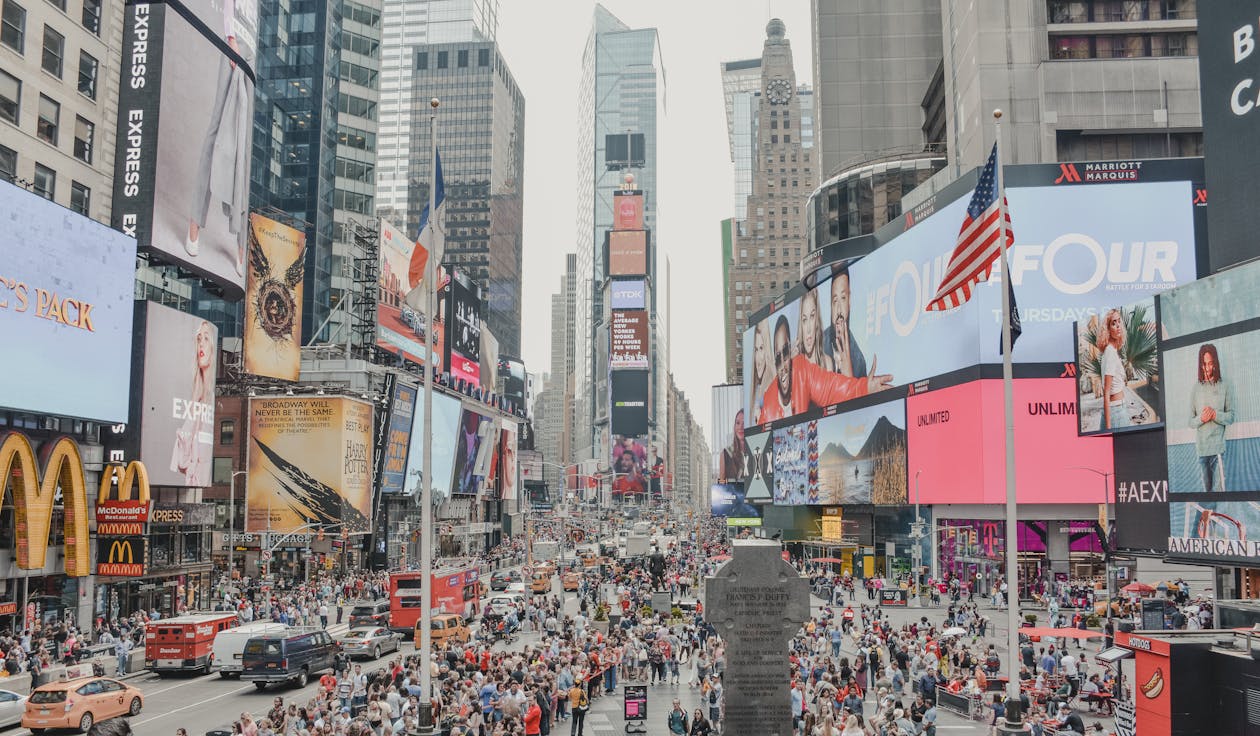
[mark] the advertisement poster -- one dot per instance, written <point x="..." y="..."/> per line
<point x="629" y="334"/>
<point x="1141" y="491"/>
<point x="473" y="429"/>
<point x="627" y="294"/>
<point x="630" y="466"/>
<point x="627" y="253"/>
<point x="627" y="211"/>
<point x="73" y="297"/>
<point x="1225" y="530"/>
<point x="1117" y="369"/>
<point x="464" y="313"/>
<point x="509" y="481"/>
<point x="728" y="500"/>
<point x="796" y="464"/>
<point x="400" y="319"/>
<point x="398" y="438"/>
<point x="732" y="459"/>
<point x="1121" y="243"/>
<point x="629" y="402"/>
<point x="759" y="485"/>
<point x="273" y="299"/>
<point x="446" y="412"/>
<point x="862" y="456"/>
<point x="309" y="463"/>
<point x="180" y="363"/>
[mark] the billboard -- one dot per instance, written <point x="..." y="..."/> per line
<point x="509" y="481"/>
<point x="1117" y="370"/>
<point x="732" y="459"/>
<point x="309" y="462"/>
<point x="629" y="402"/>
<point x="862" y="456"/>
<point x="867" y="320"/>
<point x="35" y="481"/>
<point x="796" y="464"/>
<point x="630" y="465"/>
<point x="465" y="312"/>
<point x="514" y="380"/>
<point x="759" y="486"/>
<point x="627" y="294"/>
<point x="473" y="430"/>
<point x="1229" y="67"/>
<point x="629" y="336"/>
<point x="121" y="556"/>
<point x="627" y="252"/>
<point x="400" y="318"/>
<point x="185" y="118"/>
<point x="446" y="412"/>
<point x="1141" y="491"/>
<point x="70" y="299"/>
<point x="627" y="210"/>
<point x="178" y="368"/>
<point x="273" y="299"/>
<point x="728" y="500"/>
<point x="398" y="438"/>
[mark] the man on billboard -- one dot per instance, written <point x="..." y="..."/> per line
<point x="838" y="342"/>
<point x="801" y="385"/>
<point x="1212" y="410"/>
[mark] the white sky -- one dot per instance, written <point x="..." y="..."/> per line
<point x="542" y="43"/>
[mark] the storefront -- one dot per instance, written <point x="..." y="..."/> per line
<point x="178" y="569"/>
<point x="1057" y="550"/>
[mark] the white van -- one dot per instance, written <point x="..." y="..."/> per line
<point x="225" y="654"/>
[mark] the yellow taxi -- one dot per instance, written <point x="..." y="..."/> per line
<point x="77" y="704"/>
<point x="445" y="629"/>
<point x="571" y="581"/>
<point x="541" y="582"/>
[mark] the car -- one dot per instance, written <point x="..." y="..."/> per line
<point x="541" y="582"/>
<point x="77" y="704"/>
<point x="369" y="641"/>
<point x="516" y="589"/>
<point x="501" y="579"/>
<point x="292" y="657"/>
<point x="12" y="707"/>
<point x="370" y="613"/>
<point x="571" y="581"/>
<point x="445" y="627"/>
<point x="500" y="604"/>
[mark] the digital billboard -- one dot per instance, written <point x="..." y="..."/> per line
<point x="759" y="486"/>
<point x="796" y="464"/>
<point x="862" y="456"/>
<point x="1077" y="249"/>
<point x="176" y="411"/>
<point x="309" y="463"/>
<point x="398" y="439"/>
<point x="446" y="413"/>
<point x="509" y="480"/>
<point x="465" y="312"/>
<point x="473" y="431"/>
<point x="629" y="402"/>
<point x="627" y="252"/>
<point x="630" y="465"/>
<point x="185" y="119"/>
<point x="627" y="294"/>
<point x="67" y="307"/>
<point x="629" y="336"/>
<point x="515" y="381"/>
<point x="732" y="459"/>
<point x="627" y="211"/>
<point x="273" y="299"/>
<point x="1141" y="491"/>
<point x="400" y="319"/>
<point x="728" y="500"/>
<point x="1117" y="370"/>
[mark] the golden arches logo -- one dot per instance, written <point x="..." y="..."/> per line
<point x="119" y="549"/>
<point x="34" y="494"/>
<point x="134" y="477"/>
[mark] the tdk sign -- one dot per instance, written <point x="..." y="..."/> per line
<point x="628" y="294"/>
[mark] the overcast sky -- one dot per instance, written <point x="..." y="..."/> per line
<point x="543" y="44"/>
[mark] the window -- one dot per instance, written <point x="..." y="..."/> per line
<point x="45" y="181"/>
<point x="80" y="198"/>
<point x="227" y="431"/>
<point x="483" y="57"/>
<point x="422" y="60"/>
<point x="10" y="97"/>
<point x="54" y="51"/>
<point x="92" y="16"/>
<point x="443" y="59"/>
<point x="787" y="137"/>
<point x="221" y="471"/>
<point x="461" y="58"/>
<point x="13" y="26"/>
<point x="88" y="67"/>
<point x="49" y="120"/>
<point x="8" y="164"/>
<point x="84" y="135"/>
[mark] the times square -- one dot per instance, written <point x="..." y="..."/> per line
<point x="953" y="462"/>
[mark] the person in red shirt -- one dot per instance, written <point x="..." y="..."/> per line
<point x="533" y="717"/>
<point x="800" y="385"/>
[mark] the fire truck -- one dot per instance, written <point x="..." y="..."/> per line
<point x="184" y="643"/>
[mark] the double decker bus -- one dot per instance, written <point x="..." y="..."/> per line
<point x="184" y="643"/>
<point x="455" y="590"/>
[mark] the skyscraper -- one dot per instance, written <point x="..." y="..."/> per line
<point x="622" y="91"/>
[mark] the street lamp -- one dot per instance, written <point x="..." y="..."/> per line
<point x="916" y="552"/>
<point x="231" y="566"/>
<point x="1106" y="545"/>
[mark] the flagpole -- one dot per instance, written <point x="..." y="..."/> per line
<point x="1014" y="717"/>
<point x="426" y="481"/>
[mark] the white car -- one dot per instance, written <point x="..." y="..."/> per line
<point x="499" y="605"/>
<point x="12" y="708"/>
<point x="516" y="589"/>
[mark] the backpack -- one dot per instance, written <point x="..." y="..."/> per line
<point x="713" y="696"/>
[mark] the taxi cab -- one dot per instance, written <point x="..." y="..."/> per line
<point x="572" y="581"/>
<point x="541" y="583"/>
<point x="77" y="704"/>
<point x="445" y="629"/>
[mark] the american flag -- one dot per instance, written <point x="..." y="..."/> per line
<point x="977" y="249"/>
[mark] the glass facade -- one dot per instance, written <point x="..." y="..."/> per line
<point x="862" y="200"/>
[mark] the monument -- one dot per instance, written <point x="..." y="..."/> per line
<point x="756" y="601"/>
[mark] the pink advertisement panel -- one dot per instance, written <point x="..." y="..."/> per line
<point x="951" y="466"/>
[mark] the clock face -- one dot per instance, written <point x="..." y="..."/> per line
<point x="779" y="92"/>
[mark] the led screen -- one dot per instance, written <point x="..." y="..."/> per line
<point x="759" y="485"/>
<point x="468" y="442"/>
<point x="862" y="456"/>
<point x="446" y="413"/>
<point x="1117" y="370"/>
<point x="627" y="294"/>
<point x="273" y="299"/>
<point x="465" y="313"/>
<point x="629" y="335"/>
<point x="630" y="466"/>
<point x="728" y="500"/>
<point x="398" y="438"/>
<point x="629" y="402"/>
<point x="628" y="211"/>
<point x="627" y="252"/>
<point x="732" y="460"/>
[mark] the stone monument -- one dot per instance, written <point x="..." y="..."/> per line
<point x="756" y="601"/>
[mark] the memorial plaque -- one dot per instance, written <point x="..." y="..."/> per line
<point x="757" y="602"/>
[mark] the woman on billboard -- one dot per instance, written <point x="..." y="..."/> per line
<point x="191" y="455"/>
<point x="223" y="171"/>
<point x="1110" y="343"/>
<point x="1211" y="411"/>
<point x="735" y="455"/>
<point x="810" y="333"/>
<point x="762" y="374"/>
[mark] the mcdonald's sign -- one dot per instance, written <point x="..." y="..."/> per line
<point x="117" y="513"/>
<point x="34" y="482"/>
<point x="120" y="556"/>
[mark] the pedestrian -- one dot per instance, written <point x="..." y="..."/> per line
<point x="677" y="720"/>
<point x="578" y="704"/>
<point x="699" y="725"/>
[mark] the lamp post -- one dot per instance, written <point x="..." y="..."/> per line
<point x="1106" y="542"/>
<point x="231" y="566"/>
<point x="916" y="552"/>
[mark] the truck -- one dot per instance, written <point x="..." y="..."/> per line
<point x="230" y="643"/>
<point x="546" y="552"/>
<point x="637" y="545"/>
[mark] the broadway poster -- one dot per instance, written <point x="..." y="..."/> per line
<point x="273" y="300"/>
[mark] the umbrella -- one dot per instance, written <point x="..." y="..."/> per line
<point x="1136" y="587"/>
<point x="1072" y="633"/>
<point x="954" y="631"/>
<point x="719" y="558"/>
<point x="832" y="560"/>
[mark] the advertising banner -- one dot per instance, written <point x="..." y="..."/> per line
<point x="509" y="481"/>
<point x="446" y="411"/>
<point x="1141" y="491"/>
<point x="179" y="364"/>
<point x="309" y="463"/>
<point x="465" y="312"/>
<point x="512" y="373"/>
<point x="400" y="319"/>
<point x="627" y="211"/>
<point x="629" y="402"/>
<point x="627" y="252"/>
<point x="627" y="294"/>
<point x="473" y="431"/>
<point x="796" y="464"/>
<point x="1117" y="370"/>
<point x="182" y="176"/>
<point x="728" y="500"/>
<point x="630" y="466"/>
<point x="121" y="556"/>
<point x="273" y="299"/>
<point x="1119" y="243"/>
<point x="862" y="456"/>
<point x="68" y="305"/>
<point x="760" y="483"/>
<point x="629" y="335"/>
<point x="398" y="439"/>
<point x="732" y="459"/>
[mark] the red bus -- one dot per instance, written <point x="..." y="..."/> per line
<point x="183" y="643"/>
<point x="455" y="590"/>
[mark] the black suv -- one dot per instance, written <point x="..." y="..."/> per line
<point x="501" y="579"/>
<point x="374" y="613"/>
<point x="292" y="657"/>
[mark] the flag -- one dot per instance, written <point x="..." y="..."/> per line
<point x="978" y="247"/>
<point x="1015" y="326"/>
<point x="431" y="242"/>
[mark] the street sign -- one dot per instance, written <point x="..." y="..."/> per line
<point x="635" y="702"/>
